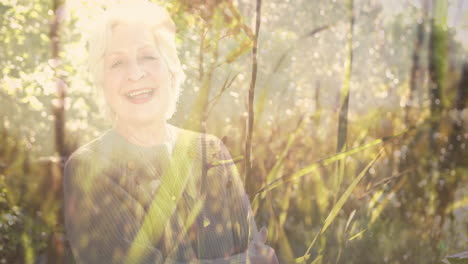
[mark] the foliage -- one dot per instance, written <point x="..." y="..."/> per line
<point x="407" y="206"/>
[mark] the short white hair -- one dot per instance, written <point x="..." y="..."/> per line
<point x="163" y="29"/>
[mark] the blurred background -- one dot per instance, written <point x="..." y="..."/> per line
<point x="358" y="149"/>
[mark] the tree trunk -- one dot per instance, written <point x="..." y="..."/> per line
<point x="437" y="75"/>
<point x="318" y="106"/>
<point x="56" y="250"/>
<point x="415" y="72"/>
<point x="455" y="154"/>
<point x="437" y="66"/>
<point x="250" y="124"/>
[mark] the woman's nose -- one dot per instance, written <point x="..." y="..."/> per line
<point x="135" y="72"/>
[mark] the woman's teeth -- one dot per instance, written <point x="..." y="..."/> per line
<point x="140" y="93"/>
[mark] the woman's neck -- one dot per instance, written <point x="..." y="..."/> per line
<point x="146" y="135"/>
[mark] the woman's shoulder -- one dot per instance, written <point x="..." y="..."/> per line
<point x="196" y="136"/>
<point x="209" y="145"/>
<point x="90" y="152"/>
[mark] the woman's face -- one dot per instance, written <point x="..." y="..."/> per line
<point x="136" y="80"/>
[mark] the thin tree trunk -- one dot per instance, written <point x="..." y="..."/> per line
<point x="437" y="66"/>
<point x="415" y="72"/>
<point x="198" y="114"/>
<point x="414" y="82"/>
<point x="55" y="252"/>
<point x="318" y="106"/>
<point x="437" y="74"/>
<point x="59" y="109"/>
<point x="248" y="142"/>
<point x="456" y="138"/>
<point x="455" y="153"/>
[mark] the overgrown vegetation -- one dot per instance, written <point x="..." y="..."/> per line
<point x="359" y="141"/>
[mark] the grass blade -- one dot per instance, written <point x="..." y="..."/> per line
<point x="357" y="235"/>
<point x="337" y="207"/>
<point x="323" y="162"/>
<point x="346" y="194"/>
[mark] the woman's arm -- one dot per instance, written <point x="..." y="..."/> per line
<point x="100" y="219"/>
<point x="228" y="201"/>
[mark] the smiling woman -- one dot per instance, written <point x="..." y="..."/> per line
<point x="136" y="81"/>
<point x="146" y="191"/>
<point x="132" y="42"/>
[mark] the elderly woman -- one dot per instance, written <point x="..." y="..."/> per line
<point x="146" y="191"/>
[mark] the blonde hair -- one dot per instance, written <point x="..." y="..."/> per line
<point x="163" y="30"/>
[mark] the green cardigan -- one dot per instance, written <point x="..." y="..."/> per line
<point x="179" y="203"/>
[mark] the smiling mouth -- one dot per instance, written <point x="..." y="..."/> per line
<point x="140" y="96"/>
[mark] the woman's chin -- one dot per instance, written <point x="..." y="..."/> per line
<point x="141" y="119"/>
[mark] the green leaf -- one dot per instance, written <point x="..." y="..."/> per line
<point x="245" y="46"/>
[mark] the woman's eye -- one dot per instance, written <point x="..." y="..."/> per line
<point x="149" y="57"/>
<point x="116" y="63"/>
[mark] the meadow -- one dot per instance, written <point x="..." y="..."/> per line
<point x="347" y="119"/>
